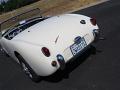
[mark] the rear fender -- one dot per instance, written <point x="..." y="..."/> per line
<point x="35" y="58"/>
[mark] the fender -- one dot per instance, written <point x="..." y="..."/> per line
<point x="34" y="57"/>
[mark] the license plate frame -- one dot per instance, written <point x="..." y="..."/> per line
<point x="79" y="46"/>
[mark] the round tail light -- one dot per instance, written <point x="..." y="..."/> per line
<point x="45" y="51"/>
<point x="93" y="21"/>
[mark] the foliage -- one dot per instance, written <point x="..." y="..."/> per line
<point x="14" y="4"/>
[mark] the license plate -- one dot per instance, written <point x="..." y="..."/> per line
<point x="79" y="46"/>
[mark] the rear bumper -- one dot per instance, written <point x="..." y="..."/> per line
<point x="68" y="56"/>
<point x="62" y="62"/>
<point x="96" y="34"/>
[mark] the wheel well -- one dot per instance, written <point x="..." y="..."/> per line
<point x="16" y="53"/>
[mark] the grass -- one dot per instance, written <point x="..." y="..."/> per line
<point x="48" y="8"/>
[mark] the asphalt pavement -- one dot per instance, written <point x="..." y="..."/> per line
<point x="98" y="71"/>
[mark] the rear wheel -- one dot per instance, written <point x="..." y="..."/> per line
<point x="27" y="69"/>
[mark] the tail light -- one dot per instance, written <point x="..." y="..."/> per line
<point x="45" y="51"/>
<point x="93" y="21"/>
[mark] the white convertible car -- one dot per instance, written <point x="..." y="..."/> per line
<point x="43" y="45"/>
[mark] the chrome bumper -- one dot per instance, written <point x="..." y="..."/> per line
<point x="96" y="34"/>
<point x="61" y="61"/>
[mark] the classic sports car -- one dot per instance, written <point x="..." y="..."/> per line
<point x="43" y="45"/>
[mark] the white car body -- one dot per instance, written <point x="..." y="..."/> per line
<point x="57" y="34"/>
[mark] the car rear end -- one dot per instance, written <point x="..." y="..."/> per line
<point x="77" y="40"/>
<point x="73" y="35"/>
<point x="57" y="40"/>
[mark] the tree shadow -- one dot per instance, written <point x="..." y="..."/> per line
<point x="70" y="66"/>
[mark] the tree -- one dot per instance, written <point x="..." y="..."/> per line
<point x="14" y="4"/>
